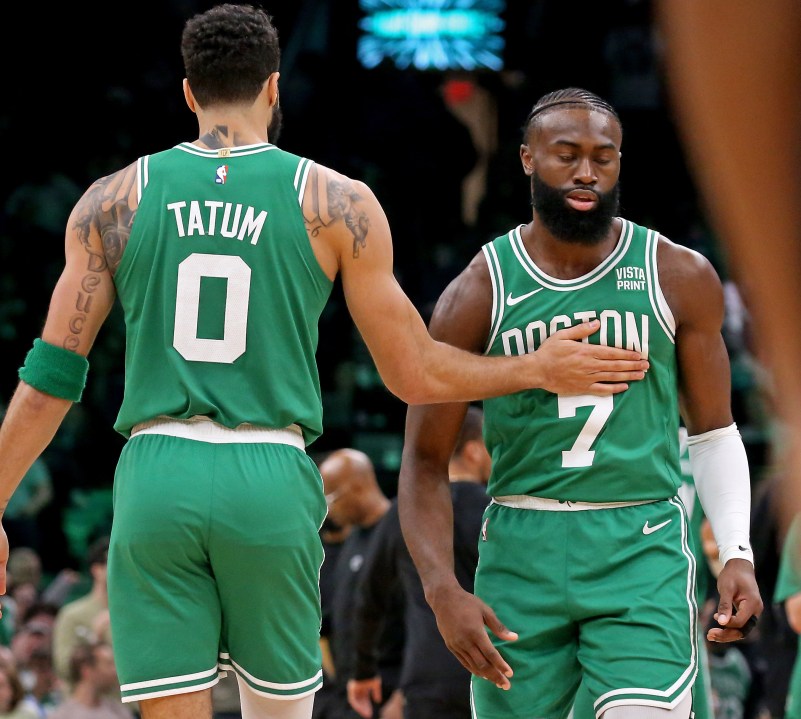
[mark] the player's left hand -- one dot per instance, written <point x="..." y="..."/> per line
<point x="740" y="603"/>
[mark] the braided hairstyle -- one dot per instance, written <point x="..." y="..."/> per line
<point x="569" y="97"/>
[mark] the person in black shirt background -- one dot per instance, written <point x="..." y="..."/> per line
<point x="355" y="500"/>
<point x="434" y="684"/>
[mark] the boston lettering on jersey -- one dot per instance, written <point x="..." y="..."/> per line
<point x="213" y="217"/>
<point x="626" y="330"/>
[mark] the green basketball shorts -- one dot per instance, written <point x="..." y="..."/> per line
<point x="214" y="566"/>
<point x="604" y="595"/>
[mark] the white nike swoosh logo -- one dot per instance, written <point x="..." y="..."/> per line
<point x="650" y="530"/>
<point x="514" y="300"/>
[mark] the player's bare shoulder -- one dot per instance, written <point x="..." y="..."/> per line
<point x="689" y="281"/>
<point x="334" y="204"/>
<point x="102" y="219"/>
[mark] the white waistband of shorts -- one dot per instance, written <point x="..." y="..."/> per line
<point x="525" y="501"/>
<point x="202" y="429"/>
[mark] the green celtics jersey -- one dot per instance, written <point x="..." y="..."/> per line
<point x="584" y="448"/>
<point x="221" y="291"/>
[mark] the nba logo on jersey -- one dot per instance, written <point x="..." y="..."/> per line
<point x="222" y="174"/>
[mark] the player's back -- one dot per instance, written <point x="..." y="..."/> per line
<point x="221" y="291"/>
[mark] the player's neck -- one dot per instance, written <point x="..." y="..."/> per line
<point x="563" y="259"/>
<point x="230" y="130"/>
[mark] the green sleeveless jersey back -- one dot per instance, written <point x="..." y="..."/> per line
<point x="221" y="291"/>
<point x="584" y="448"/>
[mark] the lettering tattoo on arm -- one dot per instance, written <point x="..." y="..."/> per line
<point x="108" y="208"/>
<point x="332" y="200"/>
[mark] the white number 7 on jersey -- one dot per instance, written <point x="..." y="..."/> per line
<point x="580" y="454"/>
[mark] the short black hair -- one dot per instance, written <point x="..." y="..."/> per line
<point x="229" y="52"/>
<point x="568" y="97"/>
<point x="97" y="552"/>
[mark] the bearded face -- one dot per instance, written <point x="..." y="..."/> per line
<point x="558" y="214"/>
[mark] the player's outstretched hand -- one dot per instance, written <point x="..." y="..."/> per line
<point x="574" y="367"/>
<point x="740" y="603"/>
<point x="461" y="618"/>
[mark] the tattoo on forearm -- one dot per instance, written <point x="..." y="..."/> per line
<point x="337" y="200"/>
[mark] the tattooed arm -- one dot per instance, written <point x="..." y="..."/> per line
<point x="350" y="234"/>
<point x="97" y="232"/>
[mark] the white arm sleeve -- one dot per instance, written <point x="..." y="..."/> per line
<point x="720" y="469"/>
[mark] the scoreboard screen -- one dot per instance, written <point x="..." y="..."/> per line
<point x="432" y="34"/>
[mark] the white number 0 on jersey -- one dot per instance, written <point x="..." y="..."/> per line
<point x="187" y="307"/>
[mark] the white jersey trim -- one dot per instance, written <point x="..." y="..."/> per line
<point x="496" y="277"/>
<point x="658" y="302"/>
<point x="142" y="176"/>
<point x="301" y="175"/>
<point x="554" y="283"/>
<point x="224" y="152"/>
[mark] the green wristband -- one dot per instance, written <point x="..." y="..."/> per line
<point x="55" y="371"/>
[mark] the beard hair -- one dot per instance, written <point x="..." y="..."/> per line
<point x="567" y="224"/>
<point x="276" y="124"/>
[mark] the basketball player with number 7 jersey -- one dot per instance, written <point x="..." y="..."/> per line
<point x="585" y="569"/>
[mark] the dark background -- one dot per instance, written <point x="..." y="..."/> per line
<point x="85" y="92"/>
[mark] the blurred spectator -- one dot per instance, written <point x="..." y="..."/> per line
<point x="24" y="589"/>
<point x="30" y="638"/>
<point x="93" y="675"/>
<point x="356" y="500"/>
<point x="44" y="691"/>
<point x="42" y="612"/>
<point x="434" y="683"/>
<point x="84" y="620"/>
<point x="731" y="680"/>
<point x="12" y="695"/>
<point x="775" y="642"/>
<point x="24" y="575"/>
<point x="333" y="537"/>
<point x="34" y="492"/>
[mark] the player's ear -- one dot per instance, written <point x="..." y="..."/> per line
<point x="189" y="96"/>
<point x="527" y="159"/>
<point x="272" y="88"/>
